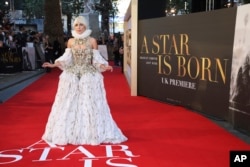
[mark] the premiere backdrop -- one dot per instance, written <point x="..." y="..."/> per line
<point x="186" y="60"/>
<point x="239" y="106"/>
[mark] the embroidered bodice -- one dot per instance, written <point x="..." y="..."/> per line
<point x="82" y="57"/>
<point x="82" y="52"/>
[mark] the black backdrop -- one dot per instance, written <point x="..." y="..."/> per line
<point x="154" y="9"/>
<point x="210" y="35"/>
<point x="207" y="54"/>
<point x="151" y="9"/>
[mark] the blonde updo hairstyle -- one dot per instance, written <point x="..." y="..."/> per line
<point x="81" y="20"/>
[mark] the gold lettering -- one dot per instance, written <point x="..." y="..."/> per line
<point x="164" y="67"/>
<point x="184" y="43"/>
<point x="196" y="64"/>
<point x="181" y="66"/>
<point x="205" y="67"/>
<point x="191" y="67"/>
<point x="173" y="45"/>
<point x="144" y="48"/>
<point x="9" y="57"/>
<point x="156" y="44"/>
<point x="219" y="67"/>
<point x="164" y="42"/>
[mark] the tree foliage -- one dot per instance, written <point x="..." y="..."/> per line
<point x="70" y="8"/>
<point x="33" y="9"/>
<point x="53" y="23"/>
<point x="106" y="8"/>
<point x="246" y="1"/>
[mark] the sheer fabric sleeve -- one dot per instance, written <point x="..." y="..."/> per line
<point x="65" y="60"/>
<point x="98" y="60"/>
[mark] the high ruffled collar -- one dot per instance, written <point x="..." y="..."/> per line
<point x="85" y="34"/>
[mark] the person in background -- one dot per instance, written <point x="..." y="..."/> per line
<point x="80" y="113"/>
<point x="241" y="90"/>
<point x="121" y="52"/>
<point x="21" y="40"/>
<point x="11" y="41"/>
<point x="57" y="48"/>
<point x="1" y="38"/>
<point x="116" y="55"/>
<point x="48" y="51"/>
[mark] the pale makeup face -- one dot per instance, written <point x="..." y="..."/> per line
<point x="79" y="28"/>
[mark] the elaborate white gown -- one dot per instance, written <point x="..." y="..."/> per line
<point x="80" y="113"/>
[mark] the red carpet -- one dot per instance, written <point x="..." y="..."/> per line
<point x="159" y="135"/>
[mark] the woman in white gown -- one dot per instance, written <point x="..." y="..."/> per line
<point x="80" y="113"/>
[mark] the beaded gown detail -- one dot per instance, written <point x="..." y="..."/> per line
<point x="80" y="113"/>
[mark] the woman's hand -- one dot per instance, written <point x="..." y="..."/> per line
<point x="47" y="64"/>
<point x="106" y="67"/>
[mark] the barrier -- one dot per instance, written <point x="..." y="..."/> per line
<point x="10" y="61"/>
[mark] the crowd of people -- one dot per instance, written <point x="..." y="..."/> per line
<point x="51" y="50"/>
<point x="115" y="42"/>
<point x="15" y="41"/>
